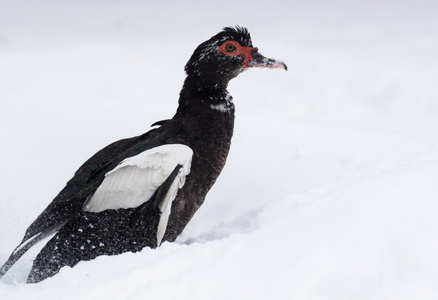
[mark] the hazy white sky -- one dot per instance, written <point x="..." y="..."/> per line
<point x="338" y="153"/>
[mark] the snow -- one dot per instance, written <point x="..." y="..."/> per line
<point x="329" y="191"/>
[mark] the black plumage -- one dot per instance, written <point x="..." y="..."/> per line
<point x="204" y="122"/>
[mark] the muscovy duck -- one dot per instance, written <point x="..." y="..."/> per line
<point x="142" y="191"/>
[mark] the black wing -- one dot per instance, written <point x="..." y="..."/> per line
<point x="69" y="202"/>
<point x="92" y="234"/>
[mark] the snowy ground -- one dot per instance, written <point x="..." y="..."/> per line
<point x="330" y="188"/>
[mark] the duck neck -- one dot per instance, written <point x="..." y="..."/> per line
<point x="197" y="94"/>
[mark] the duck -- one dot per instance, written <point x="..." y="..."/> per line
<point x="142" y="191"/>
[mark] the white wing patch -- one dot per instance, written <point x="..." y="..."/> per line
<point x="135" y="180"/>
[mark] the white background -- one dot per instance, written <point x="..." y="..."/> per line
<point x="330" y="189"/>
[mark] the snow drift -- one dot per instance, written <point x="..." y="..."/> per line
<point x="330" y="188"/>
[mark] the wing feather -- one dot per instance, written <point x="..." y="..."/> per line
<point x="135" y="179"/>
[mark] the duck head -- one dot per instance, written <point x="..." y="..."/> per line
<point x="224" y="56"/>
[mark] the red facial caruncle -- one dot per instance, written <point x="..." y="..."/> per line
<point x="252" y="57"/>
<point x="235" y="49"/>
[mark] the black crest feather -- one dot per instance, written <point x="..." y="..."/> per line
<point x="236" y="33"/>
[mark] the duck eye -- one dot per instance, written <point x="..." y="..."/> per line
<point x="230" y="47"/>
